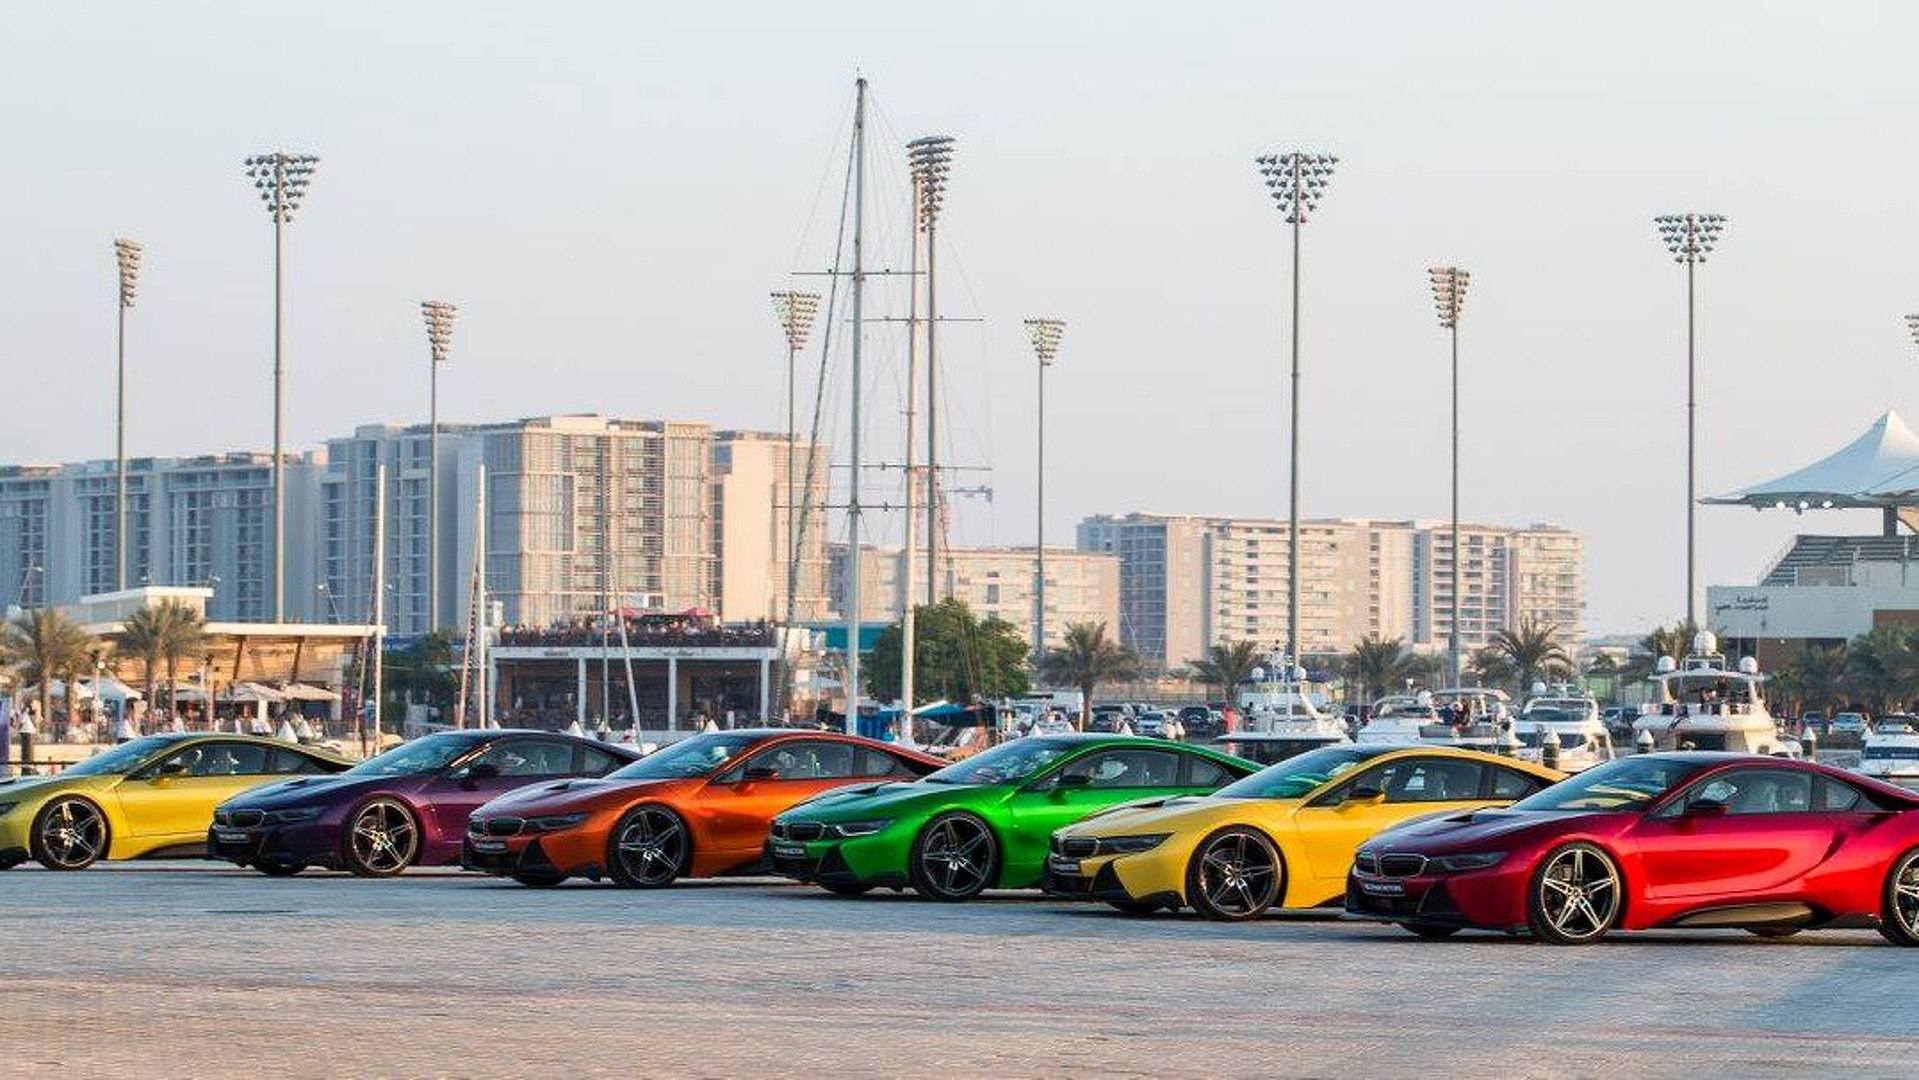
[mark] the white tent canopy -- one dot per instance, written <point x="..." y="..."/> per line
<point x="1878" y="469"/>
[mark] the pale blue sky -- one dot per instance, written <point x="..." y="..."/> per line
<point x="609" y="191"/>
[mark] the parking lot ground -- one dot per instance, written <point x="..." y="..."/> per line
<point x="190" y="969"/>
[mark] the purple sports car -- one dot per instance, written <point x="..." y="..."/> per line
<point x="405" y="807"/>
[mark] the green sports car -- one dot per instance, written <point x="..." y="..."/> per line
<point x="983" y="822"/>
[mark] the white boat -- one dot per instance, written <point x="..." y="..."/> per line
<point x="1280" y="723"/>
<point x="1703" y="703"/>
<point x="1399" y="720"/>
<point x="1892" y="749"/>
<point x="1486" y="705"/>
<point x="1569" y="716"/>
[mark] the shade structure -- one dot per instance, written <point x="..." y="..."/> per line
<point x="307" y="692"/>
<point x="250" y="692"/>
<point x="1878" y="469"/>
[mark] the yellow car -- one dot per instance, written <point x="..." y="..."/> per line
<point x="151" y="796"/>
<point x="1282" y="837"/>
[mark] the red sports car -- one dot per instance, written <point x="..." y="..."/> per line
<point x="1658" y="840"/>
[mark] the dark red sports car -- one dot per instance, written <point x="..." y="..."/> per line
<point x="1658" y="840"/>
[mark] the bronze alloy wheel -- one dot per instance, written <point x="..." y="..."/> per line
<point x="69" y="834"/>
<point x="1899" y="921"/>
<point x="382" y="839"/>
<point x="1575" y="895"/>
<point x="1236" y="873"/>
<point x="955" y="857"/>
<point x="649" y="848"/>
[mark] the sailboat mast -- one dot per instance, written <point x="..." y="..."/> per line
<point x="908" y="623"/>
<point x="853" y="499"/>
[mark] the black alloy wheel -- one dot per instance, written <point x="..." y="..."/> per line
<point x="69" y="833"/>
<point x="955" y="857"/>
<point x="1235" y="874"/>
<point x="1899" y="918"/>
<point x="649" y="848"/>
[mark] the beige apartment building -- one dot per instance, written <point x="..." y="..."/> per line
<point x="1081" y="586"/>
<point x="1189" y="581"/>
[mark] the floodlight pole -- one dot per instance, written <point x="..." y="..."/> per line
<point x="1690" y="238"/>
<point x="127" y="254"/>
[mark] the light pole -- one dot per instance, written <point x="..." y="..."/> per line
<point x="1690" y="238"/>
<point x="127" y="254"/>
<point x="439" y="336"/>
<point x="1296" y="181"/>
<point x="282" y="180"/>
<point x="930" y="159"/>
<point x="1045" y="335"/>
<point x="1449" y="295"/>
<point x="796" y="312"/>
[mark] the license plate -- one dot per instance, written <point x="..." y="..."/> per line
<point x="226" y="837"/>
<point x="1383" y="888"/>
<point x="1063" y="867"/>
<point x="490" y="847"/>
<point x="789" y="851"/>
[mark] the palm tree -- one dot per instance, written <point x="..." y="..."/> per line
<point x="185" y="639"/>
<point x="45" y="645"/>
<point x="1226" y="665"/>
<point x="1085" y="658"/>
<point x="1376" y="664"/>
<point x="1531" y="652"/>
<point x="1880" y="664"/>
<point x="143" y="637"/>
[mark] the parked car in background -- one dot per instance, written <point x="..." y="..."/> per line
<point x="1201" y="722"/>
<point x="1814" y="722"/>
<point x="1847" y="725"/>
<point x="1152" y="723"/>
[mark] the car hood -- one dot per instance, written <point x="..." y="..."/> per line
<point x="1166" y="814"/>
<point x="580" y="793"/>
<point x="897" y="797"/>
<point x="307" y="790"/>
<point x="1470" y="830"/>
<point x="14" y="789"/>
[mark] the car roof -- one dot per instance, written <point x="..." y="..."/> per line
<point x="1468" y="753"/>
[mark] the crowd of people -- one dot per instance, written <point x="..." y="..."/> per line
<point x="643" y="630"/>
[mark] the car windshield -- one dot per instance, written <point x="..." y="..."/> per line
<point x="1297" y="776"/>
<point x="1007" y="763"/>
<point x="120" y="760"/>
<point x="689" y="758"/>
<point x="422" y="755"/>
<point x="1626" y="784"/>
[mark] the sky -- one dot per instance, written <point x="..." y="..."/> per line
<point x="610" y="190"/>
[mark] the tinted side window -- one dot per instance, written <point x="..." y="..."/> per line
<point x="530" y="757"/>
<point x="871" y="762"/>
<point x="1201" y="773"/>
<point x="807" y="759"/>
<point x="1840" y="796"/>
<point x="1142" y="768"/>
<point x="596" y="762"/>
<point x="1748" y="792"/>
<point x="288" y="762"/>
<point x="1431" y="780"/>
<point x="1513" y="784"/>
<point x="224" y="759"/>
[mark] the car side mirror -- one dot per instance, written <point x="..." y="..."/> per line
<point x="170" y="769"/>
<point x="1704" y="808"/>
<point x="1361" y="795"/>
<point x="482" y="770"/>
<point x="1073" y="780"/>
<point x="760" y="772"/>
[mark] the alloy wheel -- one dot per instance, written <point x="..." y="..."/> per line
<point x="956" y="855"/>
<point x="384" y="839"/>
<point x="1235" y="875"/>
<point x="650" y="847"/>
<point x="1900" y="922"/>
<point x="1576" y="896"/>
<point x="71" y="835"/>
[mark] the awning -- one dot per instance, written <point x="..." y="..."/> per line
<point x="307" y="692"/>
<point x="1880" y="468"/>
<point x="250" y="692"/>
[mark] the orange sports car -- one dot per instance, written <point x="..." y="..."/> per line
<point x="698" y="808"/>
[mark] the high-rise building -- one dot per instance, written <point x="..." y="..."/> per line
<point x="200" y="521"/>
<point x="1081" y="586"/>
<point x="1188" y="581"/>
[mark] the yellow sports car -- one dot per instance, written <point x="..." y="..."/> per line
<point x="151" y="796"/>
<point x="1282" y="837"/>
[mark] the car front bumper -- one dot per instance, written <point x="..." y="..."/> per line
<point x="1492" y="899"/>
<point x="861" y="860"/>
<point x="1148" y="877"/>
<point x="307" y="844"/>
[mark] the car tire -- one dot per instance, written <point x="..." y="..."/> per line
<point x="1132" y="907"/>
<point x="534" y="880"/>
<point x="279" y="869"/>
<point x="845" y="888"/>
<point x="69" y="833"/>
<point x="1574" y="896"/>
<point x="381" y="838"/>
<point x="954" y="857"/>
<point x="1429" y="931"/>
<point x="649" y="848"/>
<point x="1899" y="912"/>
<point x="1236" y="873"/>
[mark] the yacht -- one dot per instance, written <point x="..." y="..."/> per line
<point x="1570" y="715"/>
<point x="1399" y="719"/>
<point x="1487" y="705"/>
<point x="1892" y="750"/>
<point x="1703" y="703"/>
<point x="1280" y="724"/>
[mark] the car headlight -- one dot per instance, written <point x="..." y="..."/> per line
<point x="859" y="828"/>
<point x="292" y="815"/>
<point x="1130" y="845"/>
<point x="553" y="822"/>
<point x="7" y="806"/>
<point x="1472" y="860"/>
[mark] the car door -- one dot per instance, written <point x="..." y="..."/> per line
<point x="1078" y="787"/>
<point x="503" y="765"/>
<point x="739" y="804"/>
<point x="173" y="799"/>
<point x="1742" y="833"/>
<point x="1333" y="824"/>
